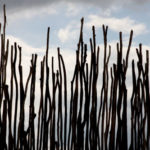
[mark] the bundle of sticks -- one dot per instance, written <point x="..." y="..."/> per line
<point x="80" y="120"/>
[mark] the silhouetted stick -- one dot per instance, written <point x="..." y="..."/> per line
<point x="16" y="89"/>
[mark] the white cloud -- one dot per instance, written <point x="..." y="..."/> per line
<point x="72" y="9"/>
<point x="26" y="49"/>
<point x="70" y="32"/>
<point x="31" y="8"/>
<point x="32" y="12"/>
<point x="117" y="24"/>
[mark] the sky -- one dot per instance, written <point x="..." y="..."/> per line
<point x="28" y="20"/>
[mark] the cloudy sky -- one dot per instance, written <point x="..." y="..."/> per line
<point x="27" y="20"/>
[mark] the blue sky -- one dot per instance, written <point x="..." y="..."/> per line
<point x="28" y="20"/>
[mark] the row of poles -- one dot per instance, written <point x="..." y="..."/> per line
<point x="80" y="120"/>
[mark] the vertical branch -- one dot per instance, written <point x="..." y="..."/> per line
<point x="16" y="96"/>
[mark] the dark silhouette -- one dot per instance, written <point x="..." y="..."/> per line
<point x="87" y="126"/>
